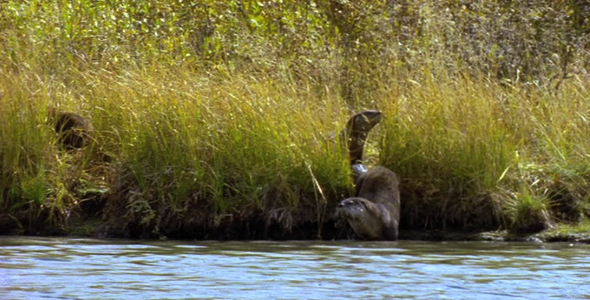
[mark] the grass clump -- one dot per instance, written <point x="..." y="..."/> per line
<point x="208" y="157"/>
<point x="528" y="213"/>
<point x="214" y="120"/>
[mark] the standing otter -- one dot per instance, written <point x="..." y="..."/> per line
<point x="72" y="128"/>
<point x="356" y="131"/>
<point x="355" y="134"/>
<point x="374" y="212"/>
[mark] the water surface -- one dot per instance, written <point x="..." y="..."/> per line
<point x="67" y="268"/>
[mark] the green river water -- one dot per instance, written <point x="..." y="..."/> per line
<point x="70" y="268"/>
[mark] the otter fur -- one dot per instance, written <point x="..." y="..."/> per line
<point x="374" y="212"/>
<point x="72" y="128"/>
<point x="354" y="136"/>
<point x="356" y="131"/>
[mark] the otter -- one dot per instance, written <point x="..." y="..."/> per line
<point x="374" y="211"/>
<point x="356" y="131"/>
<point x="354" y="136"/>
<point x="72" y="128"/>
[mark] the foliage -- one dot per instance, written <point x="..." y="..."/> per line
<point x="220" y="112"/>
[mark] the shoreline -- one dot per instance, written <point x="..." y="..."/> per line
<point x="199" y="123"/>
<point x="97" y="227"/>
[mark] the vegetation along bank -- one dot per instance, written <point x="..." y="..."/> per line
<point x="219" y="119"/>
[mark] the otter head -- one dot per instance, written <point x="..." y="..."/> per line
<point x="353" y="208"/>
<point x="72" y="128"/>
<point x="366" y="218"/>
<point x="364" y="121"/>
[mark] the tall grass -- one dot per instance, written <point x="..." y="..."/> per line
<point x="218" y="119"/>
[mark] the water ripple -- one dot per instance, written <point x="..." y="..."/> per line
<point x="33" y="268"/>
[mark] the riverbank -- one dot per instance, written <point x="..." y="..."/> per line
<point x="93" y="227"/>
<point x="219" y="121"/>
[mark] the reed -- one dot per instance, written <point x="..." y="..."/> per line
<point x="219" y="120"/>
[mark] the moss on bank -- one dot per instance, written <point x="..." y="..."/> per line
<point x="218" y="120"/>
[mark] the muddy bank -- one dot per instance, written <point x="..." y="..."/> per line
<point x="547" y="236"/>
<point x="89" y="220"/>
<point x="257" y="230"/>
<point x="105" y="216"/>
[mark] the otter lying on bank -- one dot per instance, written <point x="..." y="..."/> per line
<point x="374" y="212"/>
<point x="72" y="128"/>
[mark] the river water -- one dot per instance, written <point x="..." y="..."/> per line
<point x="68" y="268"/>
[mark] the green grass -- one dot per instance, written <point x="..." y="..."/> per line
<point x="220" y="116"/>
